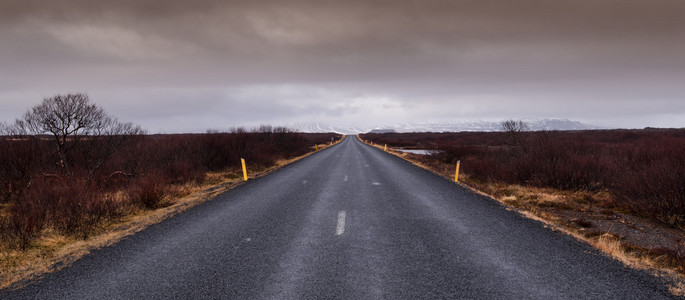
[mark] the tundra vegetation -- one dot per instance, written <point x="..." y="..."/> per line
<point x="607" y="173"/>
<point x="69" y="169"/>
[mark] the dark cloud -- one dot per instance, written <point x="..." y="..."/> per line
<point x="350" y="61"/>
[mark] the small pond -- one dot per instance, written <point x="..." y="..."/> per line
<point x="417" y="151"/>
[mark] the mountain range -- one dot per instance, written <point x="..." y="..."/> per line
<point x="453" y="126"/>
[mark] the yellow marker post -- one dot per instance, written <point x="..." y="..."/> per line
<point x="385" y="148"/>
<point x="242" y="160"/>
<point x="316" y="147"/>
<point x="456" y="174"/>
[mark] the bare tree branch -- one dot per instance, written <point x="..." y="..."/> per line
<point x="514" y="129"/>
<point x="69" y="119"/>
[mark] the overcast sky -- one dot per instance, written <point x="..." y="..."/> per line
<point x="189" y="66"/>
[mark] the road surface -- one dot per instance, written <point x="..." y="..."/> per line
<point x="350" y="222"/>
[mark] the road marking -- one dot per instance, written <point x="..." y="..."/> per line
<point x="345" y="178"/>
<point x="376" y="183"/>
<point x="340" y="229"/>
<point x="304" y="182"/>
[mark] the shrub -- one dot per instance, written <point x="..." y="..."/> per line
<point x="643" y="169"/>
<point x="24" y="222"/>
<point x="20" y="159"/>
<point x="567" y="164"/>
<point x="658" y="190"/>
<point x="72" y="207"/>
<point x="149" y="192"/>
<point x="78" y="199"/>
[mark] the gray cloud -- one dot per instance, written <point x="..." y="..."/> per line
<point x="156" y="62"/>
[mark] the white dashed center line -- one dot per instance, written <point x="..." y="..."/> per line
<point x="345" y="178"/>
<point x="340" y="229"/>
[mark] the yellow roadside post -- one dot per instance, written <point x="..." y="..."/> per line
<point x="242" y="160"/>
<point x="456" y="174"/>
<point x="385" y="148"/>
<point x="316" y="147"/>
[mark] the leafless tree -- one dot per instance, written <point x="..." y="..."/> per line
<point x="69" y="119"/>
<point x="514" y="129"/>
<point x="10" y="129"/>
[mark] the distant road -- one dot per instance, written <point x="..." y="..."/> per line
<point x="350" y="222"/>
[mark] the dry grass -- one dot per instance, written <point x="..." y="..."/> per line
<point x="582" y="215"/>
<point x="677" y="288"/>
<point x="54" y="251"/>
<point x="611" y="245"/>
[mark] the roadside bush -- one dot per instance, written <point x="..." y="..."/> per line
<point x="71" y="207"/>
<point x="643" y="169"/>
<point x="654" y="181"/>
<point x="79" y="199"/>
<point x="23" y="222"/>
<point x="479" y="167"/>
<point x="287" y="142"/>
<point x="149" y="192"/>
<point x="62" y="162"/>
<point x="216" y="154"/>
<point x="567" y="164"/>
<point x="81" y="211"/>
<point x="20" y="159"/>
<point x="180" y="171"/>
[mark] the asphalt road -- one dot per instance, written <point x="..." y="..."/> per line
<point x="350" y="222"/>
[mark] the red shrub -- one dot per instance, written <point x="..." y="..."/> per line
<point x="149" y="192"/>
<point x="20" y="159"/>
<point x="76" y="200"/>
<point x="72" y="207"/>
<point x="566" y="163"/>
<point x="24" y="222"/>
<point x="653" y="181"/>
<point x="644" y="169"/>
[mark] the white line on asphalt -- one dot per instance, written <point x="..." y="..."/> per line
<point x="345" y="178"/>
<point x="341" y="223"/>
<point x="376" y="183"/>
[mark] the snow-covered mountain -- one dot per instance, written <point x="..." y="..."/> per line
<point x="456" y="126"/>
<point x="319" y="127"/>
<point x="453" y="126"/>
